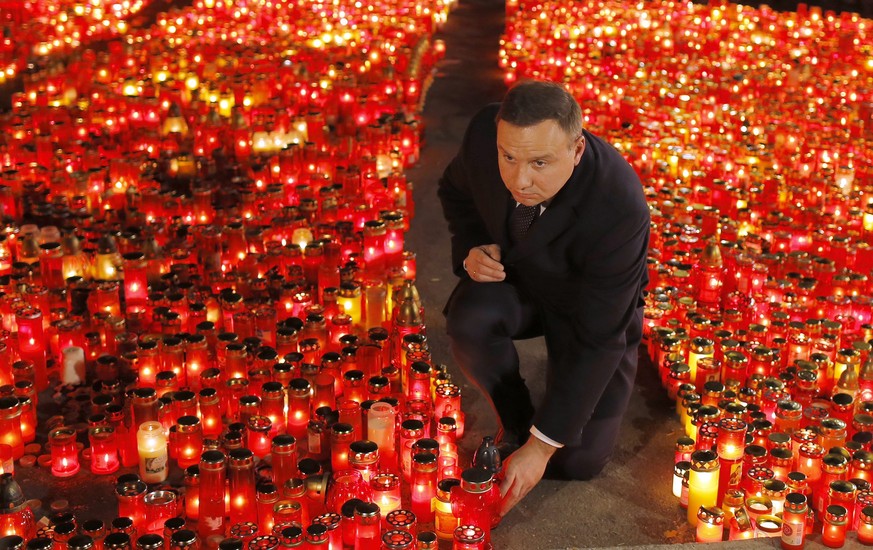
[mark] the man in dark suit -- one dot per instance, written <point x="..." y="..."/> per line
<point x="575" y="275"/>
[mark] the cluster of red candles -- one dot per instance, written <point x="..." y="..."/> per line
<point x="35" y="29"/>
<point x="203" y="228"/>
<point x="753" y="133"/>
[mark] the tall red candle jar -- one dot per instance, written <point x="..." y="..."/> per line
<point x="209" y="401"/>
<point x="135" y="280"/>
<point x="241" y="481"/>
<point x="341" y="437"/>
<point x="423" y="485"/>
<point x="368" y="526"/>
<point x="188" y="441"/>
<point x="266" y="497"/>
<point x="64" y="452"/>
<point x="211" y="519"/>
<point x="283" y="451"/>
<point x="298" y="406"/>
<point x="10" y="425"/>
<point x="865" y="526"/>
<point x="273" y="405"/>
<point x="192" y="492"/>
<point x="51" y="265"/>
<point x="148" y="361"/>
<point x="258" y="435"/>
<point x="104" y="450"/>
<point x="32" y="343"/>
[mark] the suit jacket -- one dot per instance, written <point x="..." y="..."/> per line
<point x="583" y="263"/>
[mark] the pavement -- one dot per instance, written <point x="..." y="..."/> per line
<point x="630" y="505"/>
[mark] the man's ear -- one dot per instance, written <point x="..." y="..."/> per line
<point x="578" y="149"/>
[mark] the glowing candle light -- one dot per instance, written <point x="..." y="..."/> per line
<point x="104" y="450"/>
<point x="64" y="452"/>
<point x="702" y="482"/>
<point x="710" y="524"/>
<point x="153" y="456"/>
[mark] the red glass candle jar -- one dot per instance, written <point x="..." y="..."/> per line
<point x="341" y="437"/>
<point x="283" y="451"/>
<point x="423" y="485"/>
<point x="188" y="441"/>
<point x="211" y="519"/>
<point x="10" y="425"/>
<point x="210" y="412"/>
<point x="273" y="405"/>
<point x="345" y="485"/>
<point x="368" y="526"/>
<point x="298" y="407"/>
<point x="469" y="537"/>
<point x="258" y="435"/>
<point x="192" y="492"/>
<point x="385" y="488"/>
<point x="159" y="507"/>
<point x="241" y="481"/>
<point x="64" y="452"/>
<point x="476" y="500"/>
<point x="104" y="450"/>
<point x="266" y="497"/>
<point x="131" y="500"/>
<point x="834" y="527"/>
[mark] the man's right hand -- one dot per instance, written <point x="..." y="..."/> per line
<point x="483" y="264"/>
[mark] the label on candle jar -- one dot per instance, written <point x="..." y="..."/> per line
<point x="155" y="464"/>
<point x="792" y="534"/>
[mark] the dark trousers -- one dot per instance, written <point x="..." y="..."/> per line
<point x="482" y="321"/>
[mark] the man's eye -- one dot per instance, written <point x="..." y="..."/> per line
<point x="508" y="158"/>
<point x="540" y="163"/>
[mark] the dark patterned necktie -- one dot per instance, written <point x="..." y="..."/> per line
<point x="520" y="221"/>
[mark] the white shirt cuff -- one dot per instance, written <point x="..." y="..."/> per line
<point x="544" y="438"/>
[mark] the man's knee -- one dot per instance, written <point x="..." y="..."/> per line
<point x="575" y="463"/>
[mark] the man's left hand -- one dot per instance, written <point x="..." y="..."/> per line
<point x="523" y="470"/>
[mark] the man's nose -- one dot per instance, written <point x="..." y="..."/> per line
<point x="521" y="179"/>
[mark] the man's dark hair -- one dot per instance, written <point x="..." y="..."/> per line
<point x="533" y="101"/>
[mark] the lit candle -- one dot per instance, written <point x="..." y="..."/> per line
<point x="241" y="481"/>
<point x="64" y="452"/>
<point x="152" y="446"/>
<point x="423" y="485"/>
<point x="211" y="520"/>
<point x="865" y="526"/>
<point x="702" y="483"/>
<point x="386" y="491"/>
<point x="104" y="450"/>
<point x="710" y="524"/>
<point x="794" y="518"/>
<point x="834" y="527"/>
<point x="188" y="440"/>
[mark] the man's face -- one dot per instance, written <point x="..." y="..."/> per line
<point x="536" y="161"/>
